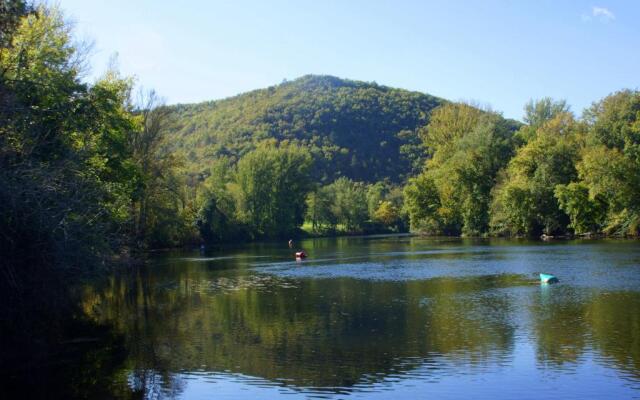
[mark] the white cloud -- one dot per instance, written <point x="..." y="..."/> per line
<point x="602" y="13"/>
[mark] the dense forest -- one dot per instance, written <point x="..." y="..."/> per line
<point x="362" y="131"/>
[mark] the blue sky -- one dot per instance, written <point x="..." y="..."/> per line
<point x="497" y="53"/>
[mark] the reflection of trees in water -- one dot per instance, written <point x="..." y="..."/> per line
<point x="615" y="322"/>
<point x="467" y="319"/>
<point x="322" y="333"/>
<point x="146" y="372"/>
<point x="568" y="323"/>
<point x="149" y="384"/>
<point x="559" y="324"/>
<point x="338" y="332"/>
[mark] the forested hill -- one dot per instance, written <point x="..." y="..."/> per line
<point x="360" y="130"/>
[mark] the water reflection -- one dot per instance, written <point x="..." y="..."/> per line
<point x="433" y="312"/>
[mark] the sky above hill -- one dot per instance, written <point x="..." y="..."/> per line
<point x="497" y="53"/>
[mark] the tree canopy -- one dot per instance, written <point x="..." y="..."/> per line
<point x="363" y="131"/>
<point x="556" y="175"/>
<point x="469" y="147"/>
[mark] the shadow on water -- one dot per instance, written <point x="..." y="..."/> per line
<point x="363" y="316"/>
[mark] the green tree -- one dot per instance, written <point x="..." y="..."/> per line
<point x="468" y="148"/>
<point x="447" y="124"/>
<point x="217" y="217"/>
<point x="422" y="202"/>
<point x="320" y="209"/>
<point x="66" y="174"/>
<point x="610" y="163"/>
<point x="387" y="214"/>
<point x="523" y="199"/>
<point x="586" y="214"/>
<point x="161" y="215"/>
<point x="350" y="203"/>
<point x="538" y="112"/>
<point x="11" y="11"/>
<point x="375" y="195"/>
<point x="273" y="183"/>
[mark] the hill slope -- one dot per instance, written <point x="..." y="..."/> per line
<point x="361" y="130"/>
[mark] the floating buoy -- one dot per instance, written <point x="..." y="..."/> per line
<point x="548" y="278"/>
<point x="300" y="255"/>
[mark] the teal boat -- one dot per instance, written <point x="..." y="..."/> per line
<point x="548" y="278"/>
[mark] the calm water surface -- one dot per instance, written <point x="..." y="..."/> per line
<point x="377" y="318"/>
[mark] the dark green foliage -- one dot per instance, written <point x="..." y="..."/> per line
<point x="162" y="212"/>
<point x="10" y="13"/>
<point x="320" y="210"/>
<point x="586" y="214"/>
<point x="217" y="225"/>
<point x="352" y="129"/>
<point x="614" y="121"/>
<point x="83" y="178"/>
<point x="65" y="174"/>
<point x="64" y="161"/>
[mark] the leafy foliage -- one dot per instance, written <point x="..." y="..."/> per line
<point x="65" y="163"/>
<point x="359" y="130"/>
<point x="469" y="147"/>
<point x="524" y="200"/>
<point x="65" y="173"/>
<point x="262" y="196"/>
<point x="83" y="178"/>
<point x="273" y="183"/>
<point x="610" y="164"/>
<point x="565" y="176"/>
<point x="586" y="214"/>
<point x="356" y="207"/>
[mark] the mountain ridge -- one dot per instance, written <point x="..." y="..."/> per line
<point x="362" y="130"/>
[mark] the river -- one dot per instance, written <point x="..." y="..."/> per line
<point x="388" y="317"/>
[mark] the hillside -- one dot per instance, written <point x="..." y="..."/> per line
<point x="361" y="130"/>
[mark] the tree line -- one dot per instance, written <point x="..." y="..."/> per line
<point x="269" y="193"/>
<point x="556" y="175"/>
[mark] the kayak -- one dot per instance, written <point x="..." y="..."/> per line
<point x="548" y="278"/>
